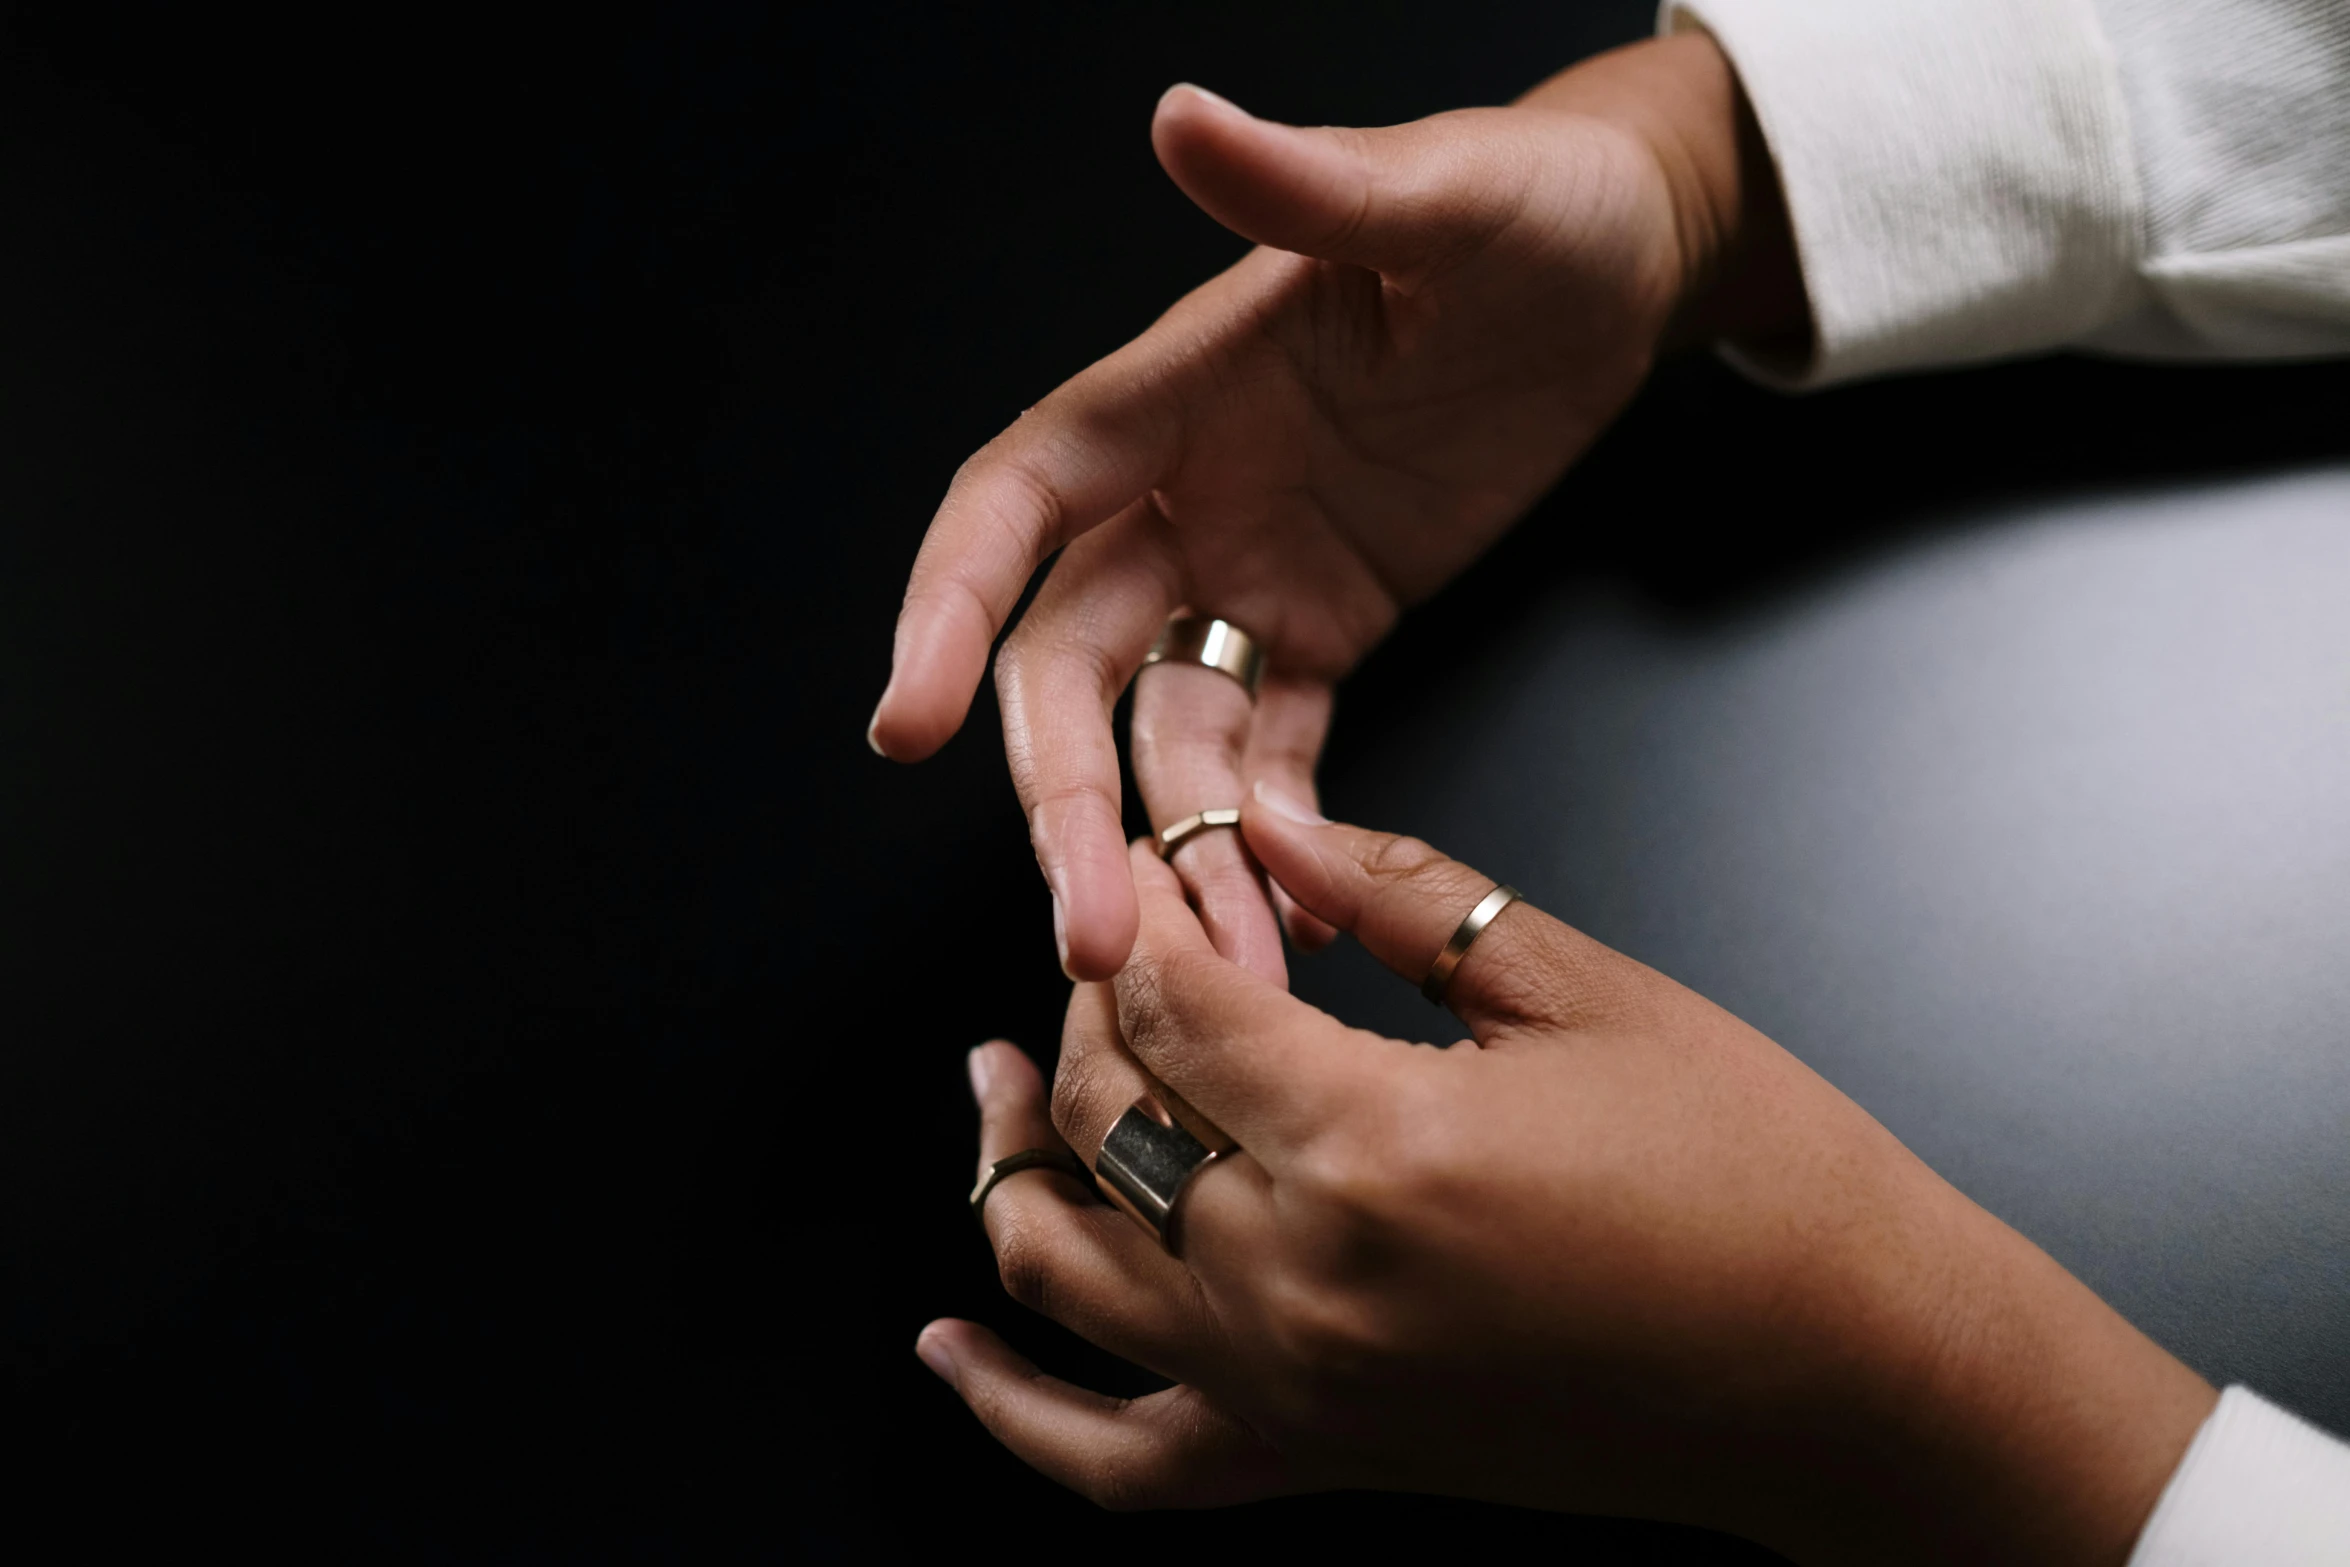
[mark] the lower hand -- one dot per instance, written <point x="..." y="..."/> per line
<point x="1614" y="1252"/>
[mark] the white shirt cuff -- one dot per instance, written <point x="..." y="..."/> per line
<point x="1958" y="173"/>
<point x="2257" y="1488"/>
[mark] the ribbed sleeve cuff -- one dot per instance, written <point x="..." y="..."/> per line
<point x="1958" y="173"/>
<point x="2257" y="1488"/>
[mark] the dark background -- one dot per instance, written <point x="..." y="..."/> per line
<point x="481" y="1065"/>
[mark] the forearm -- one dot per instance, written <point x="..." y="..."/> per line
<point x="1995" y="1408"/>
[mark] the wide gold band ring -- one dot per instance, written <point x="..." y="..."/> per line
<point x="1463" y="937"/>
<point x="1147" y="1161"/>
<point x="1027" y="1159"/>
<point x="1216" y="644"/>
<point x="1191" y="827"/>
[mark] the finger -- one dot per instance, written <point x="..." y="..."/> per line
<point x="1070" y="463"/>
<point x="1252" y="1058"/>
<point x="1403" y="900"/>
<point x="1284" y="747"/>
<point x="1171" y="1449"/>
<point x="1226" y="1208"/>
<point x="1401" y="199"/>
<point x="1064" y="1255"/>
<point x="1190" y="730"/>
<point x="1058" y="678"/>
<point x="1096" y="1078"/>
<point x="1012" y="1118"/>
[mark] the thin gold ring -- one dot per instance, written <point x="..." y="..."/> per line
<point x="1191" y="827"/>
<point x="1214" y="644"/>
<point x="1027" y="1159"/>
<point x="1440" y="972"/>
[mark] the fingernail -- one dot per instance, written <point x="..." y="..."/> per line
<point x="1282" y="805"/>
<point x="931" y="1349"/>
<point x="982" y="1072"/>
<point x="1061" y="937"/>
<point x="1212" y="97"/>
<point x="872" y="724"/>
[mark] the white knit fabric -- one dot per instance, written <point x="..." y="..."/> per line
<point x="2257" y="1488"/>
<point x="1977" y="179"/>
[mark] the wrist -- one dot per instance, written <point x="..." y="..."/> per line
<point x="1737" y="273"/>
<point x="2005" y="1412"/>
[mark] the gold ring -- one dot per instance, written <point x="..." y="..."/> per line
<point x="1216" y="644"/>
<point x="1440" y="972"/>
<point x="1191" y="827"/>
<point x="1027" y="1159"/>
<point x="1146" y="1163"/>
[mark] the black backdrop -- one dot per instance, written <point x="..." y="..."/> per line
<point x="482" y="1070"/>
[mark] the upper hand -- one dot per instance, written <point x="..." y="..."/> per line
<point x="1615" y="1252"/>
<point x="1439" y="318"/>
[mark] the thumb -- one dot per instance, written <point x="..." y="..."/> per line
<point x="1403" y="901"/>
<point x="1397" y="199"/>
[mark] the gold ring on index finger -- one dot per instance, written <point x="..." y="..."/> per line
<point x="1464" y="936"/>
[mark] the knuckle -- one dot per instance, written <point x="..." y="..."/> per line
<point x="1368" y="1190"/>
<point x="1045" y="650"/>
<point x="1401" y="861"/>
<point x="1023" y="1263"/>
<point x="1438" y="879"/>
<point x="1354" y="1190"/>
<point x="1127" y="1483"/>
<point x="1324" y="1336"/>
<point x="1040" y="517"/>
<point x="1083" y="1084"/>
<point x="1166" y="987"/>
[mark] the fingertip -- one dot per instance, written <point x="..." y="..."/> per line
<point x="999" y="1066"/>
<point x="1186" y="108"/>
<point x="908" y="728"/>
<point x="1285" y="837"/>
<point x="1237" y="167"/>
<point x="935" y="667"/>
<point x="1078" y="842"/>
<point x="1308" y="932"/>
<point x="969" y="1348"/>
<point x="933" y="1347"/>
<point x="1094" y="945"/>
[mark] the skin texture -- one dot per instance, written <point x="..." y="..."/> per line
<point x="1613" y="1252"/>
<point x="1439" y="318"/>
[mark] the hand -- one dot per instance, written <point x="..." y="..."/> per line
<point x="1616" y="1252"/>
<point x="1441" y="317"/>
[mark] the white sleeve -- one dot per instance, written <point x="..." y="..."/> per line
<point x="1978" y="179"/>
<point x="2257" y="1488"/>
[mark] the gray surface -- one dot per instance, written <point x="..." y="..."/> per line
<point x="2034" y="838"/>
